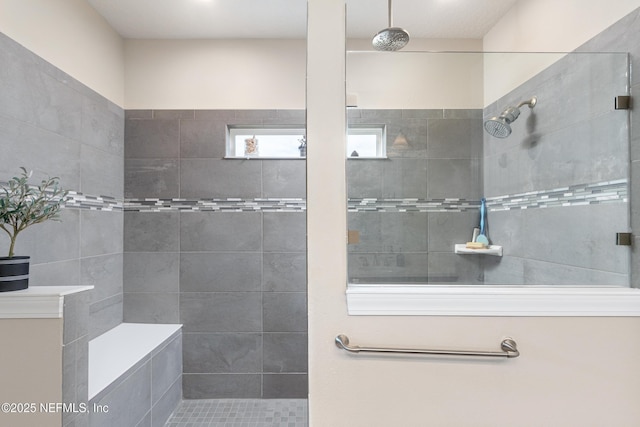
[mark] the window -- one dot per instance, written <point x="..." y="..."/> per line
<point x="366" y="141"/>
<point x="266" y="142"/>
<point x="288" y="142"/>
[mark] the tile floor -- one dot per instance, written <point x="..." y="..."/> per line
<point x="240" y="413"/>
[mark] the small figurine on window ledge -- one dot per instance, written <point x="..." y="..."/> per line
<point x="303" y="146"/>
<point x="251" y="146"/>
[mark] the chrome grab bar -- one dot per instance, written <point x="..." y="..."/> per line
<point x="508" y="346"/>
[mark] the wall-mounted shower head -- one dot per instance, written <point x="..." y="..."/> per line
<point x="500" y="126"/>
<point x="391" y="38"/>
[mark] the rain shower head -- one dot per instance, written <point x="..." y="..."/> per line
<point x="500" y="126"/>
<point x="392" y="38"/>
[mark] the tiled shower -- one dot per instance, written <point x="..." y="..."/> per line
<point x="234" y="274"/>
<point x="218" y="245"/>
<point x="556" y="188"/>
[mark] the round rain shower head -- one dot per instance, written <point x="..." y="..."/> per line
<point x="391" y="38"/>
<point x="498" y="127"/>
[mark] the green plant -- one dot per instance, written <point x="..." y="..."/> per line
<point x="23" y="205"/>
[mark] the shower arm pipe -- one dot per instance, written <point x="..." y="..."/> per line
<point x="390" y="13"/>
<point x="508" y="346"/>
<point x="530" y="102"/>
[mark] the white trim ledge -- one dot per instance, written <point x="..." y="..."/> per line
<point x="36" y="302"/>
<point x="464" y="300"/>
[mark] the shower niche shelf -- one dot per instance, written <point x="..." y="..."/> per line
<point x="462" y="249"/>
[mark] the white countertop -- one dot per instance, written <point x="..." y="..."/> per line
<point x="38" y="302"/>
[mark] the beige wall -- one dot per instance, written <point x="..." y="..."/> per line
<point x="32" y="371"/>
<point x="211" y="74"/>
<point x="572" y="372"/>
<point x="255" y="74"/>
<point x="415" y="80"/>
<point x="554" y="25"/>
<point x="543" y="26"/>
<point x="72" y="36"/>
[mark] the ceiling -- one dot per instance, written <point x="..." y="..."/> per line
<point x="213" y="19"/>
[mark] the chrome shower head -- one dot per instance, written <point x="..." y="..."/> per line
<point x="391" y="38"/>
<point x="500" y="126"/>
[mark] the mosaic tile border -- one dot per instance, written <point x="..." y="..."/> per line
<point x="75" y="200"/>
<point x="615" y="191"/>
<point x="412" y="205"/>
<point x="582" y="194"/>
<point x="217" y="205"/>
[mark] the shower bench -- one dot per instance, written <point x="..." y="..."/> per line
<point x="135" y="374"/>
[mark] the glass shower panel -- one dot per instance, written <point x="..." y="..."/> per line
<point x="556" y="188"/>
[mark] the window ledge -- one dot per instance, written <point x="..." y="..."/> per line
<point x="523" y="301"/>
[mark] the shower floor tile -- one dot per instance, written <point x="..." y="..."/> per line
<point x="240" y="413"/>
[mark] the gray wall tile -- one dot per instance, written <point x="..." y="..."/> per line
<point x="404" y="231"/>
<point x="364" y="178"/>
<point x="101" y="172"/>
<point x="202" y="178"/>
<point x="285" y="352"/>
<point x="105" y="315"/>
<point x="39" y="150"/>
<point x="207" y="231"/>
<point x="203" y="138"/>
<point x="221" y="386"/>
<point x="448" y="228"/>
<point x="173" y="114"/>
<point x="151" y="232"/>
<point x="454" y="139"/>
<point x="405" y="178"/>
<point x="284" y="232"/>
<point x="152" y="272"/>
<point x="221" y="311"/>
<point x="104" y="273"/>
<point x="222" y="353"/>
<point x="37" y="241"/>
<point x="211" y="272"/>
<point x="61" y="273"/>
<point x="151" y="307"/>
<point x="454" y="178"/>
<point x="285" y="386"/>
<point x="161" y="411"/>
<point x="284" y="312"/>
<point x="98" y="229"/>
<point x="283" y="272"/>
<point x="389" y="268"/>
<point x="166" y="368"/>
<point x="152" y="178"/>
<point x="128" y="403"/>
<point x="152" y="139"/>
<point x="449" y="267"/>
<point x="284" y="178"/>
<point x="103" y="126"/>
<point x="76" y="316"/>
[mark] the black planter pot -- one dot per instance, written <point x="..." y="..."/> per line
<point x="14" y="273"/>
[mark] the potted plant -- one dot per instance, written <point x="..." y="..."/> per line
<point x="23" y="205"/>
